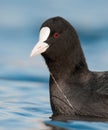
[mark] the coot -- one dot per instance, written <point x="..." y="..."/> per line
<point x="74" y="89"/>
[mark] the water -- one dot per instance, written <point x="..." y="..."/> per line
<point x="24" y="91"/>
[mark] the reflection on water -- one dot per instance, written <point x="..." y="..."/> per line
<point x="62" y="122"/>
<point x="76" y="125"/>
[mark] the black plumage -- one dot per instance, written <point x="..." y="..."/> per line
<point x="85" y="90"/>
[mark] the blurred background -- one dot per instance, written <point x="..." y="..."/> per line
<point x="24" y="91"/>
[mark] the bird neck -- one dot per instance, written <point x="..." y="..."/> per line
<point x="67" y="65"/>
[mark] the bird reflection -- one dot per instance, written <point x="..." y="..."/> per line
<point x="61" y="122"/>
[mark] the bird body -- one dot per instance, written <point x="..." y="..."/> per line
<point x="74" y="89"/>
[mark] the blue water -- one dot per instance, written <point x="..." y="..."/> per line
<point x="24" y="91"/>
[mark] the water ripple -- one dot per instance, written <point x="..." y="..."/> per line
<point x="26" y="78"/>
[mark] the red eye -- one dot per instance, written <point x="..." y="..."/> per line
<point x="56" y="35"/>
